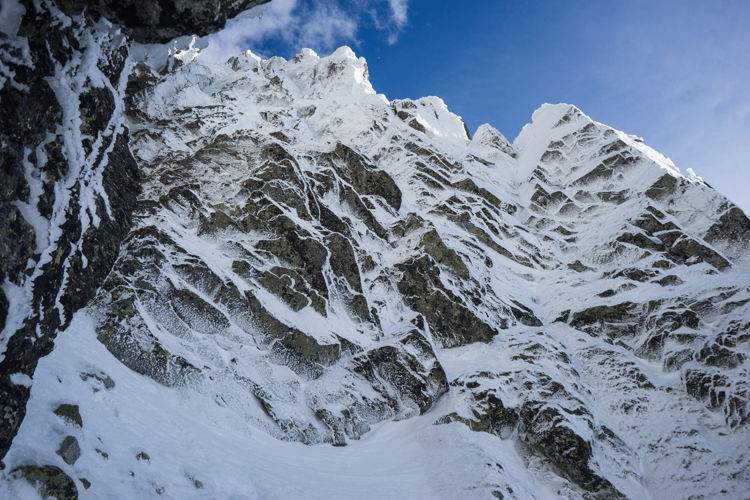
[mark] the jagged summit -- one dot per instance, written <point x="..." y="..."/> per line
<point x="488" y="136"/>
<point x="311" y="262"/>
<point x="559" y="121"/>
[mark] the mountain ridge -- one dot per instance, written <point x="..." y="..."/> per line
<point x="311" y="261"/>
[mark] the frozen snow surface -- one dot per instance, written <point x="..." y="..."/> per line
<point x="327" y="294"/>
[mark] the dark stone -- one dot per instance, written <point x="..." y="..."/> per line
<point x="365" y="178"/>
<point x="217" y="221"/>
<point x="331" y="221"/>
<point x="578" y="266"/>
<point x="69" y="450"/>
<point x="414" y="381"/>
<point x="641" y="241"/>
<point x="17" y="243"/>
<point x="3" y="310"/>
<point x="600" y="172"/>
<point x="490" y="416"/>
<point x="360" y="308"/>
<point x="433" y="245"/>
<point x="163" y="20"/>
<point x="669" y="280"/>
<point x="449" y="319"/>
<point x="70" y="413"/>
<point x="342" y="260"/>
<point x="95" y="107"/>
<point x="292" y="347"/>
<point x="101" y="245"/>
<point x="687" y="248"/>
<point x="722" y="350"/>
<point x="718" y="392"/>
<point x="197" y="313"/>
<point x="414" y="123"/>
<point x="305" y="255"/>
<point x="350" y="196"/>
<point x="663" y="187"/>
<point x="28" y="119"/>
<point x="544" y="430"/>
<point x="732" y="227"/>
<point x="470" y="186"/>
<point x="50" y="481"/>
<point x="140" y="79"/>
<point x="284" y="283"/>
<point x="621" y="319"/>
<point x="524" y="315"/>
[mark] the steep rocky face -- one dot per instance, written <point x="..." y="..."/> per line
<point x="645" y="242"/>
<point x="70" y="183"/>
<point x="69" y="179"/>
<point x="318" y="260"/>
<point x="164" y="20"/>
<point x="566" y="315"/>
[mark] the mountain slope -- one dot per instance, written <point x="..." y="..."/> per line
<point x="69" y="179"/>
<point x="309" y="262"/>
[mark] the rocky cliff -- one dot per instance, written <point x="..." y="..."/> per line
<point x="69" y="179"/>
<point x="308" y="262"/>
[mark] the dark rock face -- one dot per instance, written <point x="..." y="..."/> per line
<point x="69" y="180"/>
<point x="454" y="324"/>
<point x="78" y="193"/>
<point x="715" y="375"/>
<point x="161" y="21"/>
<point x="730" y="232"/>
<point x="544" y="431"/>
<point x="417" y="383"/>
<point x="366" y="179"/>
<point x="544" y="421"/>
<point x="491" y="416"/>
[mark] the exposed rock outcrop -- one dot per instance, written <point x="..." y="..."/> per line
<point x="69" y="180"/>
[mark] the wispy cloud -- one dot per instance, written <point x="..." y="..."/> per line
<point x="399" y="9"/>
<point x="323" y="25"/>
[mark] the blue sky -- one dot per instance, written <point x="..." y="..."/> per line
<point x="676" y="73"/>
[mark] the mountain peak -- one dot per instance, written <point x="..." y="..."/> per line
<point x="343" y="53"/>
<point x="489" y="137"/>
<point x="310" y="262"/>
<point x="549" y="117"/>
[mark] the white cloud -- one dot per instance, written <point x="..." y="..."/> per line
<point x="399" y="9"/>
<point x="323" y="25"/>
<point x="326" y="27"/>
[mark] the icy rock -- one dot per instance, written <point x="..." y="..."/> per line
<point x="162" y="21"/>
<point x="70" y="181"/>
<point x="70" y="413"/>
<point x="69" y="450"/>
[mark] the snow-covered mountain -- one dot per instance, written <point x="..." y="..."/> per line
<point x="311" y="264"/>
